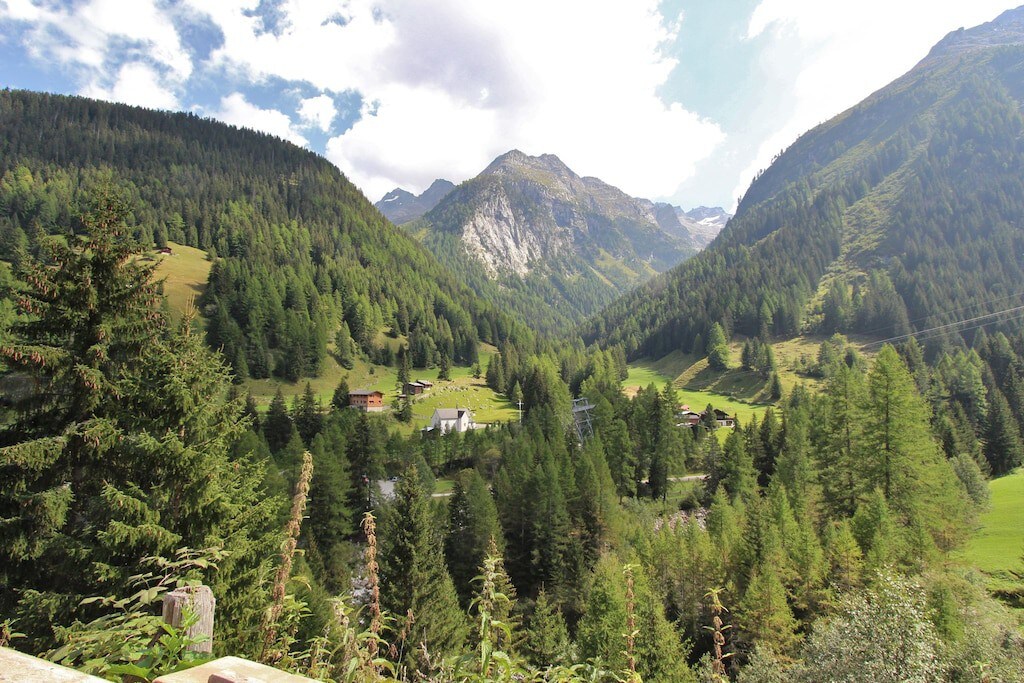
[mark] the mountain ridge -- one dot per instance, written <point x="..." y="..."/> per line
<point x="401" y="206"/>
<point x="531" y="224"/>
<point x="874" y="220"/>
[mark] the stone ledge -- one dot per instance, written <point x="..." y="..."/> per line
<point x="18" y="667"/>
<point x="232" y="670"/>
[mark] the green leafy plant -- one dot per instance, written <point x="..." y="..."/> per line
<point x="129" y="641"/>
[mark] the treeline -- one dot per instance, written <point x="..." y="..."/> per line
<point x="297" y="249"/>
<point x="911" y="202"/>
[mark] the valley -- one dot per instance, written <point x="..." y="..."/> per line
<point x="859" y="317"/>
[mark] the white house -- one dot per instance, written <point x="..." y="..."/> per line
<point x="452" y="419"/>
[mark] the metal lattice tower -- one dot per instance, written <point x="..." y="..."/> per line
<point x="582" y="418"/>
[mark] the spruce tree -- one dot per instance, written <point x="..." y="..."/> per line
<point x="717" y="348"/>
<point x="307" y="415"/>
<point x="120" y="448"/>
<point x="472" y="525"/>
<point x="413" y="576"/>
<point x="764" y="614"/>
<point x="331" y="516"/>
<point x="404" y="367"/>
<point x="339" y="400"/>
<point x="277" y="425"/>
<point x="1003" y="448"/>
<point x="547" y="638"/>
<point x="738" y="474"/>
<point x="660" y="655"/>
<point x="902" y="458"/>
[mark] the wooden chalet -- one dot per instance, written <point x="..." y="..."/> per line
<point x="367" y="400"/>
<point x="416" y="388"/>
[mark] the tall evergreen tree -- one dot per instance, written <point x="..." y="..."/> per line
<point x="339" y="400"/>
<point x="413" y="576"/>
<point x="307" y="415"/>
<point x="547" y="638"/>
<point x="901" y="456"/>
<point x="277" y="426"/>
<point x="1002" y="441"/>
<point x="120" y="450"/>
<point x="472" y="525"/>
<point x="717" y="348"/>
<point x="331" y="515"/>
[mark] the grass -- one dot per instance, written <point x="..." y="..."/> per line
<point x="462" y="391"/>
<point x="997" y="547"/>
<point x="185" y="273"/>
<point x="740" y="392"/>
<point x="696" y="384"/>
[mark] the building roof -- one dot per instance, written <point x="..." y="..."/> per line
<point x="450" y="413"/>
<point x="365" y="392"/>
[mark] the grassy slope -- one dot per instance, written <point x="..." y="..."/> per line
<point x="998" y="546"/>
<point x="185" y="273"/>
<point x="737" y="391"/>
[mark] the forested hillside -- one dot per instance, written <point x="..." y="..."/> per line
<point x="600" y="535"/>
<point x="301" y="257"/>
<point x="903" y="213"/>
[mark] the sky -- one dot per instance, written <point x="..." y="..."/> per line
<point x="674" y="100"/>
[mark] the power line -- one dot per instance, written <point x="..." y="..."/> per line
<point x="952" y="310"/>
<point x="941" y="329"/>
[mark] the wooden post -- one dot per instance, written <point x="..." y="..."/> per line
<point x="198" y="599"/>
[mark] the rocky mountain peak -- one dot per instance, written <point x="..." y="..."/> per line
<point x="401" y="206"/>
<point x="1006" y="29"/>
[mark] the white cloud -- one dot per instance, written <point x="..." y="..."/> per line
<point x="238" y="111"/>
<point x="827" y="56"/>
<point x="318" y="111"/>
<point x="137" y="84"/>
<point x="125" y="51"/>
<point x="454" y="83"/>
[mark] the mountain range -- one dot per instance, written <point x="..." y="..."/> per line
<point x="697" y="226"/>
<point x="903" y="213"/>
<point x="563" y="244"/>
<point x="401" y="206"/>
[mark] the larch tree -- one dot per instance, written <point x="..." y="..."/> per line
<point x="902" y="458"/>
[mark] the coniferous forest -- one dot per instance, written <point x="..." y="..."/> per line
<point x="820" y="540"/>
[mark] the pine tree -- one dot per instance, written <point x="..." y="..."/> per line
<point x="345" y="347"/>
<point x="339" y="400"/>
<point x="659" y="654"/>
<point x="331" y="516"/>
<point x="547" y="638"/>
<point x="277" y="426"/>
<point x="1002" y="441"/>
<point x="841" y="456"/>
<point x="901" y="456"/>
<point x="122" y="450"/>
<point x="843" y="555"/>
<point x="472" y="525"/>
<point x="515" y="395"/>
<point x="413" y="577"/>
<point x="764" y="614"/>
<point x="717" y="348"/>
<point x="738" y="474"/>
<point x="307" y="415"/>
<point x="404" y="367"/>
